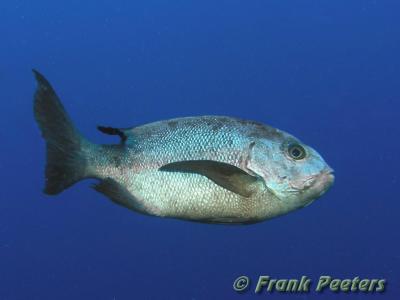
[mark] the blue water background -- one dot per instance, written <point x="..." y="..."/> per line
<point x="326" y="71"/>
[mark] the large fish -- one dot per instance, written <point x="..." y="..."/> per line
<point x="208" y="169"/>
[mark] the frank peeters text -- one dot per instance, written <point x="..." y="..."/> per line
<point x="325" y="283"/>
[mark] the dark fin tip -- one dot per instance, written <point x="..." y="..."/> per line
<point x="40" y="78"/>
<point x="113" y="131"/>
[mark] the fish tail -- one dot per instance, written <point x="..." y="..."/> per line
<point x="67" y="150"/>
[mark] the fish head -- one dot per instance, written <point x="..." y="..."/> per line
<point x="294" y="172"/>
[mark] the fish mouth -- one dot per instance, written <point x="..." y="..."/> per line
<point x="323" y="181"/>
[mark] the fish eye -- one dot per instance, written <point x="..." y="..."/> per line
<point x="296" y="151"/>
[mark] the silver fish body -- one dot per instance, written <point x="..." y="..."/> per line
<point x="209" y="169"/>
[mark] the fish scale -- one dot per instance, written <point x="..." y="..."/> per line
<point x="177" y="194"/>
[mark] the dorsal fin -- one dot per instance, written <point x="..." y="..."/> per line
<point x="113" y="131"/>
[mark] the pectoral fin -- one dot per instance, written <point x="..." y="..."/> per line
<point x="228" y="176"/>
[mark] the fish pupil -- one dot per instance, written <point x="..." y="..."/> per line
<point x="296" y="152"/>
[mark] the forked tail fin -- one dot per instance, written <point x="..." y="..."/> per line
<point x="66" y="161"/>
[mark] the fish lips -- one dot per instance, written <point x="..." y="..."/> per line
<point x="323" y="181"/>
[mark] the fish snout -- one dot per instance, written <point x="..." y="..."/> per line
<point x="323" y="181"/>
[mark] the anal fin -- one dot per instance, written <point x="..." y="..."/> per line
<point x="118" y="194"/>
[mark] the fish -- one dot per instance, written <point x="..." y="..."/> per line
<point x="209" y="169"/>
